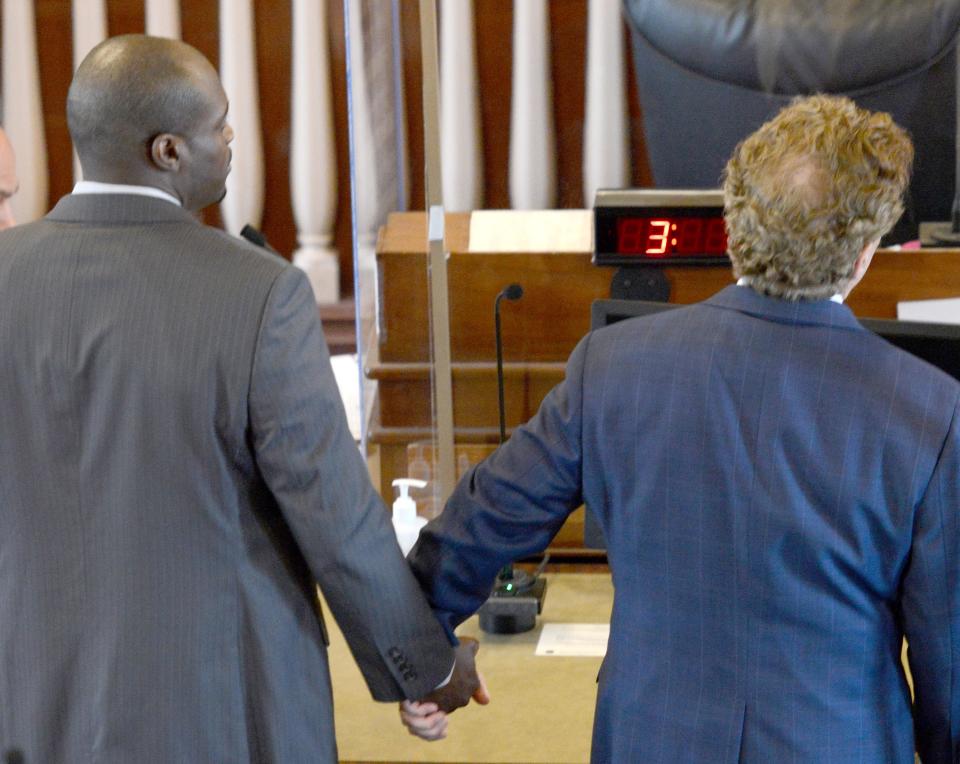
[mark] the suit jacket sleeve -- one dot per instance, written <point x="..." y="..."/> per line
<point x="930" y="604"/>
<point x="509" y="506"/>
<point x="314" y="469"/>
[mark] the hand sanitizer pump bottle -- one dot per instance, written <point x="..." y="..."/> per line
<point x="406" y="523"/>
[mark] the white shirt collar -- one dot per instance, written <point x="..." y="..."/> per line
<point x="95" y="187"/>
<point x="745" y="281"/>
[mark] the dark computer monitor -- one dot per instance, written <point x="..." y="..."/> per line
<point x="938" y="344"/>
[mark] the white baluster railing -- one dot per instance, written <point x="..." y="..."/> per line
<point x="163" y="18"/>
<point x="22" y="108"/>
<point x="533" y="170"/>
<point x="238" y="70"/>
<point x="365" y="195"/>
<point x="313" y="162"/>
<point x="605" y="141"/>
<point x="460" y="133"/>
<point x="89" y="29"/>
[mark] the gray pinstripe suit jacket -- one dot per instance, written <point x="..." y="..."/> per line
<point x="175" y="473"/>
<point x="780" y="494"/>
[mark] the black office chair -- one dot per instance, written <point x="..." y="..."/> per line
<point x="711" y="71"/>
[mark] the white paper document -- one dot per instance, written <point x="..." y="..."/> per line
<point x="574" y="639"/>
<point x="531" y="231"/>
<point x="936" y="311"/>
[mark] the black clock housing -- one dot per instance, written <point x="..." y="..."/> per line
<point x="654" y="227"/>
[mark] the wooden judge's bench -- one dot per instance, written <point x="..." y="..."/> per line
<point x="539" y="330"/>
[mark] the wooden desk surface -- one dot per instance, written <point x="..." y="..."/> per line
<point x="554" y="696"/>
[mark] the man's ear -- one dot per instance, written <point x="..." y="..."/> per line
<point x="166" y="151"/>
<point x="860" y="265"/>
<point x="864" y="258"/>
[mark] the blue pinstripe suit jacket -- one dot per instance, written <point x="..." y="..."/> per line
<point x="779" y="489"/>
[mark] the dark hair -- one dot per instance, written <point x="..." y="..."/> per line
<point x="130" y="89"/>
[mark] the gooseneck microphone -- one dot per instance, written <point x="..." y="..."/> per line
<point x="510" y="292"/>
<point x="517" y="596"/>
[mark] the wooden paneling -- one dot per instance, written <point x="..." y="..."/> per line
<point x="494" y="26"/>
<point x="642" y="176"/>
<point x="124" y="18"/>
<point x="413" y="97"/>
<point x="342" y="237"/>
<point x="544" y="325"/>
<point x="199" y="24"/>
<point x="404" y="392"/>
<point x="540" y="330"/>
<point x="494" y="30"/>
<point x="568" y="36"/>
<point x="493" y="23"/>
<point x="55" y="51"/>
<point x="200" y="20"/>
<point x="895" y="276"/>
<point x="274" y="73"/>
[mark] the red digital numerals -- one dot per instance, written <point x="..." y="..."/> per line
<point x="663" y="237"/>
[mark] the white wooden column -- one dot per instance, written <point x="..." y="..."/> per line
<point x="533" y="170"/>
<point x="313" y="162"/>
<point x="381" y="93"/>
<point x="460" y="133"/>
<point x="364" y="159"/>
<point x="238" y="70"/>
<point x="402" y="160"/>
<point x="22" y="109"/>
<point x="89" y="29"/>
<point x="605" y="143"/>
<point x="163" y="18"/>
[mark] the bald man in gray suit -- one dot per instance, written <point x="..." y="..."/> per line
<point x="176" y="472"/>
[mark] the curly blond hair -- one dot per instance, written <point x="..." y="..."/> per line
<point x="806" y="192"/>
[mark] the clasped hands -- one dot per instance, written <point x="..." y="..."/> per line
<point x="427" y="718"/>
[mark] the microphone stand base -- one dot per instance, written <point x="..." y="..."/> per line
<point x="513" y="613"/>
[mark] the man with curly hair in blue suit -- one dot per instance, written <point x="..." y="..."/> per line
<point x="778" y="487"/>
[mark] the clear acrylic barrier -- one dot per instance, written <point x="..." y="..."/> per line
<point x="540" y="104"/>
<point x="380" y="186"/>
<point x="496" y="151"/>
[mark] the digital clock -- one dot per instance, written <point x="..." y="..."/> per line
<point x="654" y="227"/>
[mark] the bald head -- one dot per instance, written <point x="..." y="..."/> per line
<point x="135" y="109"/>
<point x="9" y="184"/>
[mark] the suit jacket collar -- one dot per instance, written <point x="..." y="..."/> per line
<point x="804" y="312"/>
<point x="117" y="208"/>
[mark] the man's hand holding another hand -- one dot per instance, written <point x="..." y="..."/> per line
<point x="427" y="718"/>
